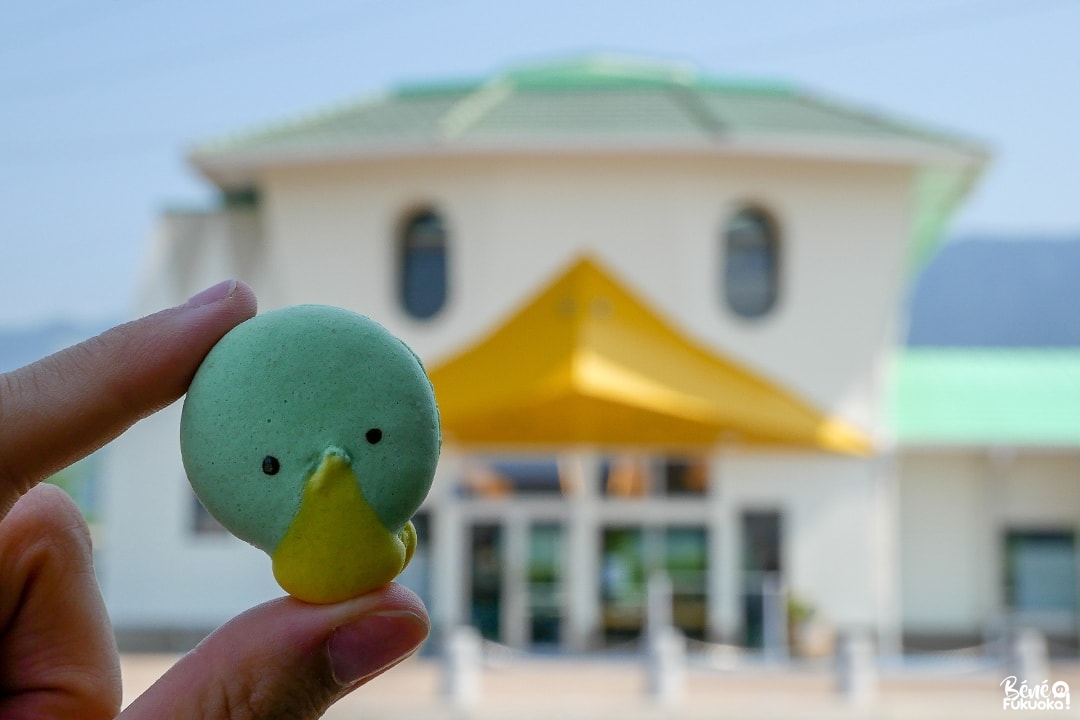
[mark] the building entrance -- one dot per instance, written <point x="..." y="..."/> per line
<point x="630" y="555"/>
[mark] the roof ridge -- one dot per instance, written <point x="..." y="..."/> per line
<point x="615" y="70"/>
<point x="697" y="109"/>
<point x="610" y="66"/>
<point x="473" y="107"/>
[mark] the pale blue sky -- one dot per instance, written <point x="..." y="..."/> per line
<point x="102" y="99"/>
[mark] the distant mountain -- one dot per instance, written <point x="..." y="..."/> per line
<point x="999" y="292"/>
<point x="22" y="346"/>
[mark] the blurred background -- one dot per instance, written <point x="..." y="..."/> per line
<point x="752" y="325"/>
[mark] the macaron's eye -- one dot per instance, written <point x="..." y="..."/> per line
<point x="373" y="435"/>
<point x="270" y="465"/>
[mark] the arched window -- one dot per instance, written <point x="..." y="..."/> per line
<point x="422" y="264"/>
<point x="751" y="263"/>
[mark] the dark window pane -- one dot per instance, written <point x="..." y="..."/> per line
<point x="761" y="541"/>
<point x="423" y="265"/>
<point x="751" y="264"/>
<point x="1040" y="570"/>
<point x="506" y="475"/>
<point x="685" y="476"/>
<point x="545" y="582"/>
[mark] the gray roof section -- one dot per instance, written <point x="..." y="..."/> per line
<point x="1009" y="292"/>
<point x="593" y="102"/>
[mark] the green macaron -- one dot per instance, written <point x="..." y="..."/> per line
<point x="304" y="426"/>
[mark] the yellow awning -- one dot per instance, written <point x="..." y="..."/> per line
<point x="587" y="363"/>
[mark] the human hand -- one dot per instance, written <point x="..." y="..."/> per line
<point x="58" y="658"/>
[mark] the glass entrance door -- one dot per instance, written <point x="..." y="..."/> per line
<point x="686" y="562"/>
<point x="631" y="555"/>
<point x="622" y="584"/>
<point x="485" y="579"/>
<point x="545" y="581"/>
<point x="761" y="561"/>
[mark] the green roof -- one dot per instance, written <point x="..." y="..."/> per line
<point x="595" y="98"/>
<point x="1018" y="397"/>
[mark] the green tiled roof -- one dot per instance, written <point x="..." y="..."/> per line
<point x="587" y="100"/>
<point x="984" y="397"/>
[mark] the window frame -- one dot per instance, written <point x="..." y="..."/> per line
<point x="774" y="258"/>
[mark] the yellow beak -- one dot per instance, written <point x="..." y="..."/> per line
<point x="336" y="547"/>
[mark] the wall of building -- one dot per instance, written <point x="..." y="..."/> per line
<point x="956" y="506"/>
<point x="157" y="572"/>
<point x="191" y="250"/>
<point x="833" y="550"/>
<point x="655" y="221"/>
<point x="944" y="534"/>
<point x="326" y="235"/>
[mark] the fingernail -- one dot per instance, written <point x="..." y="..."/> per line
<point x="373" y="643"/>
<point x="220" y="291"/>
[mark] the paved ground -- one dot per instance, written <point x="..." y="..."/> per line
<point x="597" y="689"/>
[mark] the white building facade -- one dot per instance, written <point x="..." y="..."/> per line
<point x="441" y="211"/>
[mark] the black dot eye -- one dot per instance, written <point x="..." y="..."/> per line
<point x="373" y="435"/>
<point x="270" y="465"/>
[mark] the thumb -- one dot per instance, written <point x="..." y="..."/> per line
<point x="288" y="659"/>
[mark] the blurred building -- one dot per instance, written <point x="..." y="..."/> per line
<point x="986" y="404"/>
<point x="662" y="313"/>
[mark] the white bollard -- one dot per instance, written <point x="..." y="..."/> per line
<point x="665" y="663"/>
<point x="658" y="602"/>
<point x="774" y="612"/>
<point x="1028" y="656"/>
<point x="856" y="668"/>
<point x="462" y="665"/>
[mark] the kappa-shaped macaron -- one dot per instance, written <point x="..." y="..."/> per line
<point x="312" y="433"/>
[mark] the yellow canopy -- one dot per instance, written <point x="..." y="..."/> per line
<point x="587" y="363"/>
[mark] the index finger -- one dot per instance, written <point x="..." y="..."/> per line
<point x="64" y="407"/>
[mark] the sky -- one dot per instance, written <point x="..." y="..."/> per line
<point x="101" y="101"/>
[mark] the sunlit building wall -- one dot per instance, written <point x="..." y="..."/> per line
<point x="776" y="232"/>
